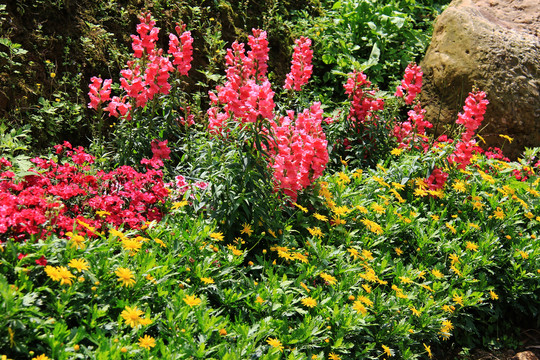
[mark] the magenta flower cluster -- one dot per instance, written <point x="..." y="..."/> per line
<point x="60" y="195"/>
<point x="364" y="104"/>
<point x="299" y="153"/>
<point x="148" y="73"/>
<point x="301" y="67"/>
<point x="411" y="85"/>
<point x="473" y="114"/>
<point x="247" y="94"/>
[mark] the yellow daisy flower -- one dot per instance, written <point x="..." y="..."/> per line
<point x="147" y="342"/>
<point x="309" y="302"/>
<point x="191" y="300"/>
<point x="79" y="264"/>
<point x="125" y="276"/>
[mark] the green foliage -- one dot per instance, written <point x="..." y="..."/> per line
<point x="371" y="264"/>
<point x="14" y="146"/>
<point x="378" y="37"/>
<point x="362" y="144"/>
<point x="55" y="119"/>
<point x="240" y="190"/>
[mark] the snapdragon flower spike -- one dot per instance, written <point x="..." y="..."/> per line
<point x="414" y="129"/>
<point x="411" y="84"/>
<point x="147" y="75"/>
<point x="417" y="116"/>
<point x="363" y="102"/>
<point x="437" y="179"/>
<point x="247" y="94"/>
<point x="473" y="113"/>
<point x="119" y="107"/>
<point x="146" y="43"/>
<point x="300" y="153"/>
<point x="258" y="55"/>
<point x="181" y="49"/>
<point x="301" y="67"/>
<point x="463" y="153"/>
<point x="100" y="91"/>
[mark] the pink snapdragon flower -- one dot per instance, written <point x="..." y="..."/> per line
<point x="437" y="179"/>
<point x="411" y="83"/>
<point x="414" y="129"/>
<point x="146" y="42"/>
<point x="148" y="73"/>
<point x="257" y="58"/>
<point x="247" y="94"/>
<point x="363" y="101"/>
<point x="181" y="49"/>
<point x="99" y="93"/>
<point x="301" y="67"/>
<point x="300" y="154"/>
<point x="473" y="113"/>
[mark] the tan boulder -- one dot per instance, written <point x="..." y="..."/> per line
<point x="495" y="45"/>
<point x="525" y="355"/>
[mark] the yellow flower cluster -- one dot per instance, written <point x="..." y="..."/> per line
<point x="285" y="253"/>
<point x="132" y="317"/>
<point x="60" y="273"/>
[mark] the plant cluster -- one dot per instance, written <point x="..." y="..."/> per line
<point x="69" y="195"/>
<point x="77" y="41"/>
<point x="381" y="37"/>
<point x="373" y="264"/>
<point x="258" y="250"/>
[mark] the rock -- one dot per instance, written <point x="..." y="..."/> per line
<point x="525" y="355"/>
<point x="495" y="45"/>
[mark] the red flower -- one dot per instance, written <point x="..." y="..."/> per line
<point x="301" y="67"/>
<point x="411" y="83"/>
<point x="41" y="261"/>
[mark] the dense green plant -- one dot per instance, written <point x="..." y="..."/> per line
<point x="379" y="38"/>
<point x="372" y="266"/>
<point x="240" y="190"/>
<point x="15" y="147"/>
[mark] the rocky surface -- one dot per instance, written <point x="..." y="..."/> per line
<point x="493" y="44"/>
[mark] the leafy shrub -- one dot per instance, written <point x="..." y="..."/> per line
<point x="70" y="196"/>
<point x="379" y="38"/>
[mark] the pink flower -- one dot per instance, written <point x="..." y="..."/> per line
<point x="437" y="179"/>
<point x="41" y="261"/>
<point x="5" y="162"/>
<point x="473" y="113"/>
<point x="301" y="67"/>
<point x="247" y="94"/>
<point x="160" y="150"/>
<point x="411" y="83"/>
<point x="463" y="153"/>
<point x="201" y="185"/>
<point x="364" y="104"/>
<point x="119" y="107"/>
<point x="258" y="55"/>
<point x="148" y="36"/>
<point x="181" y="50"/>
<point x="300" y="154"/>
<point x="99" y="94"/>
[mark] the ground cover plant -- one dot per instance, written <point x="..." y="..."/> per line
<point x="269" y="236"/>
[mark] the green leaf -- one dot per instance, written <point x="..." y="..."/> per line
<point x="373" y="57"/>
<point x="398" y="21"/>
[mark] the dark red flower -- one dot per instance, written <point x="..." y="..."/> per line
<point x="41" y="261"/>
